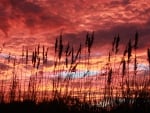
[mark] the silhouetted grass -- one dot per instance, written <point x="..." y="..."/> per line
<point x="74" y="105"/>
<point x="132" y="95"/>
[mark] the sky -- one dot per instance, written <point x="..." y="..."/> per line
<point x="25" y="24"/>
<point x="31" y="22"/>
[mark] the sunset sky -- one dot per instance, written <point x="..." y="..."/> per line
<point x="30" y="22"/>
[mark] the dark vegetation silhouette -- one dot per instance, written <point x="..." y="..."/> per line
<point x="125" y="90"/>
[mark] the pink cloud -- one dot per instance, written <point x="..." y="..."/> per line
<point x="44" y="20"/>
